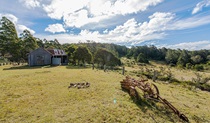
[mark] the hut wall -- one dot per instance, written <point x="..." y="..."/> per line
<point x="39" y="57"/>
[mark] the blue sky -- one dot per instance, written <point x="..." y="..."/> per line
<point x="183" y="24"/>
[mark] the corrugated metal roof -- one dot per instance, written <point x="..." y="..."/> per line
<point x="57" y="52"/>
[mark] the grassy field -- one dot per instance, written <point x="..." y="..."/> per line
<point x="41" y="94"/>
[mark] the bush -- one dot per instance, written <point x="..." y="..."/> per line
<point x="141" y="64"/>
<point x="172" y="65"/>
<point x="198" y="67"/>
<point x="142" y="58"/>
<point x="204" y="87"/>
<point x="3" y="60"/>
<point x="148" y="75"/>
<point x="163" y="78"/>
<point x="189" y="65"/>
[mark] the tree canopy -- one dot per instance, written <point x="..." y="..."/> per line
<point x="142" y="58"/>
<point x="82" y="54"/>
<point x="9" y="39"/>
<point x="102" y="53"/>
<point x="28" y="43"/>
<point x="105" y="57"/>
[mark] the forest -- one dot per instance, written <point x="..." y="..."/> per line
<point x="15" y="48"/>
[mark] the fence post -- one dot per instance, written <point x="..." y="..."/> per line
<point x="104" y="68"/>
<point x="123" y="70"/>
<point x="93" y="66"/>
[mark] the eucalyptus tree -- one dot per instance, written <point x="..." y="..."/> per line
<point x="28" y="43"/>
<point x="82" y="54"/>
<point x="9" y="42"/>
<point x="105" y="57"/>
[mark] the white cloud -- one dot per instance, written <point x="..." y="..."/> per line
<point x="62" y="38"/>
<point x="133" y="32"/>
<point x="83" y="36"/>
<point x="190" y="23"/>
<point x="105" y="31"/>
<point x="60" y="8"/>
<point x="200" y="5"/>
<point x="125" y="32"/>
<point x="76" y="19"/>
<point x="190" y="45"/>
<point x="102" y="7"/>
<point x="55" y="28"/>
<point x="19" y="27"/>
<point x="30" y="3"/>
<point x="79" y="13"/>
<point x="11" y="17"/>
<point x="158" y="23"/>
<point x="87" y="35"/>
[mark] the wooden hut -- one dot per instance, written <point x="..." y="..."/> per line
<point x="41" y="56"/>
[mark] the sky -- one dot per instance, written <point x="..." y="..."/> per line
<point x="183" y="24"/>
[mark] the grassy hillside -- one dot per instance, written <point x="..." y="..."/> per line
<point x="41" y="94"/>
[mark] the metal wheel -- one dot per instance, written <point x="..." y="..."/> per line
<point x="151" y="91"/>
<point x="155" y="90"/>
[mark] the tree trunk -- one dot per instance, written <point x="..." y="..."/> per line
<point x="93" y="66"/>
<point x="104" y="68"/>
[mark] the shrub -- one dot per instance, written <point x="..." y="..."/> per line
<point x="205" y="87"/>
<point x="163" y="78"/>
<point x="142" y="58"/>
<point x="189" y="65"/>
<point x="172" y="65"/>
<point x="198" y="67"/>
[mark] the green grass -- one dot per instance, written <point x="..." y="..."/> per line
<point x="41" y="94"/>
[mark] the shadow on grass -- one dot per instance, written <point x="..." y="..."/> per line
<point x="28" y="67"/>
<point x="77" y="67"/>
<point x="159" y="110"/>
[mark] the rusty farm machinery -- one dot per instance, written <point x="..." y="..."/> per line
<point x="150" y="91"/>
